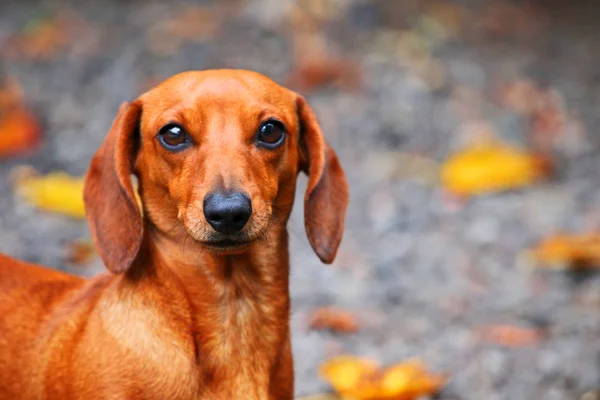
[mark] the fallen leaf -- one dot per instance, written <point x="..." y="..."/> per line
<point x="19" y="131"/>
<point x="19" y="128"/>
<point x="347" y="373"/>
<point x="410" y="380"/>
<point x="362" y="379"/>
<point x="335" y="319"/>
<point x="490" y="168"/>
<point x="56" y="192"/>
<point x="569" y="250"/>
<point x="511" y="336"/>
<point x="80" y="252"/>
<point x="310" y="75"/>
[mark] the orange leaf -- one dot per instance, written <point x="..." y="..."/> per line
<point x="334" y="319"/>
<point x="19" y="131"/>
<point x="346" y="373"/>
<point x="19" y="128"/>
<point x="80" y="252"/>
<point x="511" y="336"/>
<point x="309" y="76"/>
<point x="573" y="250"/>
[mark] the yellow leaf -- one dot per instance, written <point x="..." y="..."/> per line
<point x="346" y="372"/>
<point x="410" y="380"/>
<point x="491" y="168"/>
<point x="578" y="250"/>
<point x="56" y="192"/>
<point x="361" y="379"/>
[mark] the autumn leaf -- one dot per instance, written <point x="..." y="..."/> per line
<point x="308" y="76"/>
<point x="410" y="380"/>
<point x="57" y="192"/>
<point x="510" y="336"/>
<point x="335" y="319"/>
<point x="491" y="168"/>
<point x="19" y="131"/>
<point x="80" y="252"/>
<point x="362" y="379"/>
<point x="19" y="128"/>
<point x="570" y="250"/>
<point x="347" y="373"/>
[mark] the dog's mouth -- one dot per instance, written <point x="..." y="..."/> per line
<point x="226" y="244"/>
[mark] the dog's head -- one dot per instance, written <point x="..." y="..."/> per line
<point x="216" y="154"/>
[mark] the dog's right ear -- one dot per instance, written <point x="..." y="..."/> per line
<point x="110" y="204"/>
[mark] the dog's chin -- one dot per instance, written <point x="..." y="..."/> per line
<point x="227" y="246"/>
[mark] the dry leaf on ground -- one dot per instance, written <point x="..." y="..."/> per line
<point x="362" y="379"/>
<point x="57" y="192"/>
<point x="19" y="128"/>
<point x="491" y="168"/>
<point x="510" y="336"/>
<point x="410" y="380"/>
<point x="335" y="319"/>
<point x="19" y="131"/>
<point x="568" y="250"/>
<point x="319" y="72"/>
<point x="346" y="373"/>
<point x="80" y="252"/>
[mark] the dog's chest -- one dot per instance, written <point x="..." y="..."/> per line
<point x="239" y="344"/>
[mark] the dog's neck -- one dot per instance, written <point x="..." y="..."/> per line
<point x="239" y="303"/>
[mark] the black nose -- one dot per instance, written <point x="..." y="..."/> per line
<point x="227" y="213"/>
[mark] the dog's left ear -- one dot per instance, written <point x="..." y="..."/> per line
<point x="110" y="204"/>
<point x="326" y="197"/>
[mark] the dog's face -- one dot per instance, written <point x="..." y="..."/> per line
<point x="217" y="154"/>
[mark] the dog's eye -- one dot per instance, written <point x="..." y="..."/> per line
<point x="173" y="137"/>
<point x="271" y="134"/>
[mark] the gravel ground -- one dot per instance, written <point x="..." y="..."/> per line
<point x="421" y="270"/>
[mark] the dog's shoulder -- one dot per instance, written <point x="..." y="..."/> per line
<point x="20" y="273"/>
<point x="19" y="279"/>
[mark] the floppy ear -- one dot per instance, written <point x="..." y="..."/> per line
<point x="326" y="197"/>
<point x="110" y="204"/>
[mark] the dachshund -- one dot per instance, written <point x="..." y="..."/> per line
<point x="196" y="304"/>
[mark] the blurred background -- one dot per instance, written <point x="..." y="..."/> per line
<point x="467" y="130"/>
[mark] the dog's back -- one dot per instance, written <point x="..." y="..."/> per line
<point x="28" y="294"/>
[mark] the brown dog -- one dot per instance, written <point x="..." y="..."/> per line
<point x="198" y="305"/>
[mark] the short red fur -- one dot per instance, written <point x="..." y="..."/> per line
<point x="177" y="317"/>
